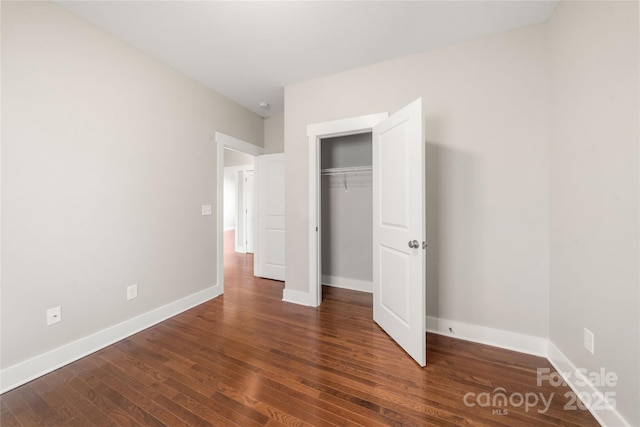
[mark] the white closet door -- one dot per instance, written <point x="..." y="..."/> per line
<point x="399" y="229"/>
<point x="269" y="259"/>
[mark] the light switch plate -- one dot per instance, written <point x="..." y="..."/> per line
<point x="206" y="210"/>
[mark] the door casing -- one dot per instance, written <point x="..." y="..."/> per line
<point x="315" y="134"/>
<point x="225" y="141"/>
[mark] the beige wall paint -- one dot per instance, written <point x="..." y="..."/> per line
<point x="236" y="158"/>
<point x="486" y="107"/>
<point x="595" y="216"/>
<point x="107" y="157"/>
<point x="274" y="134"/>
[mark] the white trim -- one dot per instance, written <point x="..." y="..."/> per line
<point x="230" y="228"/>
<point x="348" y="283"/>
<point x="343" y="127"/>
<point x="225" y="141"/>
<point x="23" y="372"/>
<point x="298" y="297"/>
<point x="314" y="220"/>
<point x="220" y="214"/>
<point x="515" y="341"/>
<point x="607" y="416"/>
<point x="239" y="145"/>
<point x="315" y="132"/>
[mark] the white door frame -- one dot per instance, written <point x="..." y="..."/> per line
<point x="315" y="133"/>
<point x="225" y="141"/>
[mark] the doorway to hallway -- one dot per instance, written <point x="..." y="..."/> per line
<point x="237" y="265"/>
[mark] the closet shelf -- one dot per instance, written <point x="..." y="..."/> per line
<point x="347" y="171"/>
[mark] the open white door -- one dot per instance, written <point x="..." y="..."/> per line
<point x="399" y="229"/>
<point x="269" y="256"/>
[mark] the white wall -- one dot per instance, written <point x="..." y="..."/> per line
<point x="274" y="134"/>
<point x="236" y="158"/>
<point x="595" y="216"/>
<point x="487" y="170"/>
<point x="107" y="157"/>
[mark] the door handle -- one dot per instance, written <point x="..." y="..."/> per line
<point x="413" y="244"/>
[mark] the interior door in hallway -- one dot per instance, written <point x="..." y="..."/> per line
<point x="250" y="211"/>
<point x="269" y="260"/>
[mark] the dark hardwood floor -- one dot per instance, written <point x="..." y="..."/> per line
<point x="249" y="359"/>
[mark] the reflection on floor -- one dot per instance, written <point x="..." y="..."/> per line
<point x="236" y="265"/>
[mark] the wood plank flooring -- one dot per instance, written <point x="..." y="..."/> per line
<point x="249" y="359"/>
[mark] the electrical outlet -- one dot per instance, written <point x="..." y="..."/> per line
<point x="132" y="292"/>
<point x="54" y="315"/>
<point x="206" y="210"/>
<point x="589" y="341"/>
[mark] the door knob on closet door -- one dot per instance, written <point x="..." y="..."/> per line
<point x="413" y="244"/>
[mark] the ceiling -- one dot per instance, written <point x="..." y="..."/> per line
<point x="249" y="51"/>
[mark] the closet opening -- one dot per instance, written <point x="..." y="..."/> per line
<point x="346" y="212"/>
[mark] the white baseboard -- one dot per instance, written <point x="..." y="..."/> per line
<point x="605" y="414"/>
<point x="23" y="372"/>
<point x="347" y="283"/>
<point x="298" y="297"/>
<point x="229" y="227"/>
<point x="481" y="334"/>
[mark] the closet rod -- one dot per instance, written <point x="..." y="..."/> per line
<point x="346" y="171"/>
